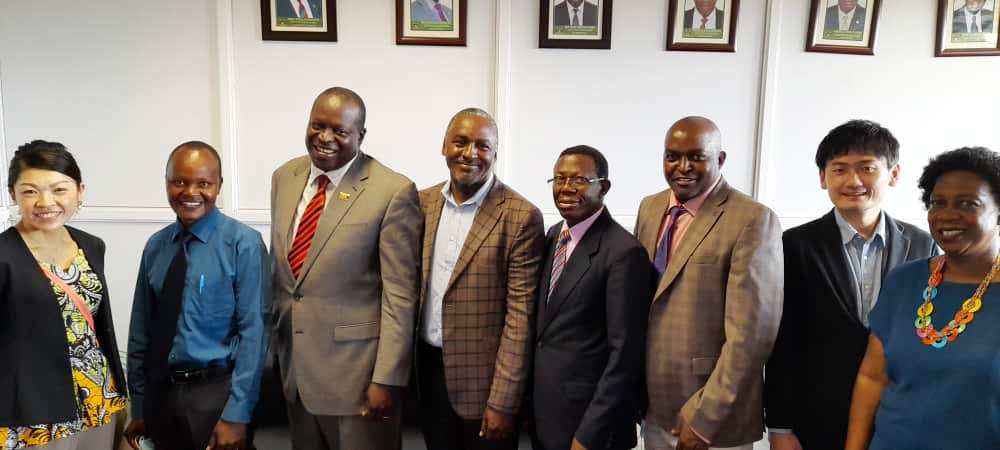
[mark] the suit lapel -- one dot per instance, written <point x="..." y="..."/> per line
<point x="353" y="184"/>
<point x="486" y="219"/>
<point x="651" y="229"/>
<point x="832" y="251"/>
<point x="431" y="220"/>
<point x="707" y="216"/>
<point x="576" y="267"/>
<point x="896" y="247"/>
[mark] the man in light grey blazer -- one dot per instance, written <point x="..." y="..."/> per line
<point x="345" y="238"/>
<point x="717" y="306"/>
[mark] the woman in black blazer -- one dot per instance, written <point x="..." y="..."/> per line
<point x="62" y="380"/>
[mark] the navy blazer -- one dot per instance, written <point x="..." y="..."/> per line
<point x="590" y="339"/>
<point x="809" y="378"/>
<point x="37" y="385"/>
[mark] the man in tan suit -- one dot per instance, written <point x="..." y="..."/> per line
<point x="345" y="238"/>
<point x="483" y="244"/>
<point x="716" y="310"/>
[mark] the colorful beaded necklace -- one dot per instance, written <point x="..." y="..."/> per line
<point x="925" y="330"/>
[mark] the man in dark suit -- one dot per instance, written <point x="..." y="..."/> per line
<point x="846" y="15"/>
<point x="834" y="266"/>
<point x="709" y="17"/>
<point x="972" y="18"/>
<point x="300" y="9"/>
<point x="593" y="296"/>
<point x="575" y="13"/>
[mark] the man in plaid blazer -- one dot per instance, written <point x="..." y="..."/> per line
<point x="481" y="253"/>
<point x="718" y="303"/>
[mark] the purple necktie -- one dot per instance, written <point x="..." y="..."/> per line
<point x="663" y="250"/>
<point x="559" y="261"/>
<point x="440" y="11"/>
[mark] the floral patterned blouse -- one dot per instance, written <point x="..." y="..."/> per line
<point x="97" y="397"/>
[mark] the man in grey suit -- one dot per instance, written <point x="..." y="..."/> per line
<point x="717" y="306"/>
<point x="708" y="16"/>
<point x="429" y="11"/>
<point x="345" y="242"/>
<point x="575" y="13"/>
<point x="972" y="18"/>
<point x="846" y="15"/>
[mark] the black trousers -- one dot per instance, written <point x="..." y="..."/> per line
<point x="188" y="414"/>
<point x="443" y="428"/>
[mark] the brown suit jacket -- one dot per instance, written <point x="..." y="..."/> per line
<point x="490" y="300"/>
<point x="714" y="316"/>
<point x="347" y="321"/>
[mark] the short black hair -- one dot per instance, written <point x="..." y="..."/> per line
<point x="196" y="145"/>
<point x="979" y="160"/>
<point x="353" y="97"/>
<point x="599" y="160"/>
<point x="861" y="136"/>
<point x="43" y="155"/>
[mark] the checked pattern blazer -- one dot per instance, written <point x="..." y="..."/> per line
<point x="489" y="302"/>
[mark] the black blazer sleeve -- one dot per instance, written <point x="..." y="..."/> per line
<point x="780" y="383"/>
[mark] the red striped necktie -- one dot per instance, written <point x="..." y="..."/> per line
<point x="559" y="261"/>
<point x="307" y="227"/>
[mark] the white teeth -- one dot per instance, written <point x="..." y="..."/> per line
<point x="950" y="233"/>
<point x="47" y="215"/>
<point x="191" y="204"/>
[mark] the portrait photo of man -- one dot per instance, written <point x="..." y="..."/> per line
<point x="845" y="15"/>
<point x="973" y="16"/>
<point x="299" y="9"/>
<point x="433" y="11"/>
<point x="704" y="15"/>
<point x="575" y="13"/>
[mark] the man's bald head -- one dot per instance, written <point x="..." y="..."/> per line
<point x="693" y="157"/>
<point x="345" y="95"/>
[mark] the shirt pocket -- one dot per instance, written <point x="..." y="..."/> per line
<point x="216" y="298"/>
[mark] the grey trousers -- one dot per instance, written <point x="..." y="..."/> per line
<point x="100" y="438"/>
<point x="311" y="432"/>
<point x="655" y="437"/>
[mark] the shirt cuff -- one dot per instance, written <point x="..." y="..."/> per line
<point x="237" y="412"/>
<point x="696" y="433"/>
<point x="780" y="430"/>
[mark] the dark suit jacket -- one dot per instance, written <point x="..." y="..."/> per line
<point x="833" y="19"/>
<point x="33" y="337"/>
<point x="285" y="8"/>
<point x="590" y="339"/>
<point x="810" y="376"/>
<point x="720" y="18"/>
<point x="958" y="21"/>
<point x="561" y="14"/>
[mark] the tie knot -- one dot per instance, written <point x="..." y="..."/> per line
<point x="676" y="211"/>
<point x="322" y="181"/>
<point x="564" y="237"/>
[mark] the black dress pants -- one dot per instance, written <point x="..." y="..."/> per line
<point x="188" y="414"/>
<point x="443" y="428"/>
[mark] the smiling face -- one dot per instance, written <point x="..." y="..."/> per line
<point x="974" y="5"/>
<point x="194" y="180"/>
<point x="470" y="150"/>
<point x="46" y="199"/>
<point x="334" y="134"/>
<point x="577" y="202"/>
<point x="963" y="215"/>
<point x="705" y="7"/>
<point x="856" y="181"/>
<point x="692" y="159"/>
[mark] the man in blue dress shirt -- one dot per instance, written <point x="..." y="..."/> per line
<point x="197" y="337"/>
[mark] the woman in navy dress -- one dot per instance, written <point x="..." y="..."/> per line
<point x="930" y="378"/>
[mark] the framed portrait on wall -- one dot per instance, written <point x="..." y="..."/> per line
<point x="967" y="28"/>
<point x="298" y="20"/>
<point x="843" y="26"/>
<point x="575" y="24"/>
<point x="702" y="25"/>
<point x="430" y="22"/>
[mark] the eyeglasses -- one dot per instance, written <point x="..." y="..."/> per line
<point x="576" y="182"/>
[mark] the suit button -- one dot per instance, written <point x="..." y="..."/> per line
<point x="539" y="344"/>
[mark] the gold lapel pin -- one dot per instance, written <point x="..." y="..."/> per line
<point x="344" y="196"/>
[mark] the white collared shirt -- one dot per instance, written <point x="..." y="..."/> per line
<point x="973" y="21"/>
<point x="846" y="18"/>
<point x="335" y="177"/>
<point x="709" y="21"/>
<point x="865" y="260"/>
<point x="453" y="227"/>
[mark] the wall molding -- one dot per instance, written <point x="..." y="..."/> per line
<point x="228" y="126"/>
<point x="4" y="199"/>
<point x="501" y="83"/>
<point x="767" y="98"/>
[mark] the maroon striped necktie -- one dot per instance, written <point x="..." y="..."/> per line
<point x="307" y="227"/>
<point x="559" y="260"/>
